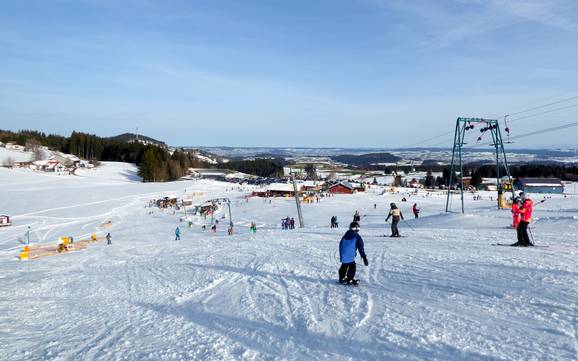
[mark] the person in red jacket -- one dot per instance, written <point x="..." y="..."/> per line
<point x="415" y="210"/>
<point x="516" y="212"/>
<point x="525" y="219"/>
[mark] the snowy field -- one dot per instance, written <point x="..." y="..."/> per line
<point x="442" y="292"/>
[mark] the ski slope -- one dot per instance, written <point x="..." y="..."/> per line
<point x="442" y="292"/>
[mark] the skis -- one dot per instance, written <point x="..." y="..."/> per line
<point x="348" y="284"/>
<point x="509" y="245"/>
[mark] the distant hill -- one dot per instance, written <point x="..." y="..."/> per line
<point x="366" y="159"/>
<point x="130" y="137"/>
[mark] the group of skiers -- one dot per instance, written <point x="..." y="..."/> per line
<point x="334" y="222"/>
<point x="522" y="208"/>
<point x="288" y="223"/>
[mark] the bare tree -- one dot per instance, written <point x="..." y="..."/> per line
<point x="8" y="162"/>
<point x="32" y="145"/>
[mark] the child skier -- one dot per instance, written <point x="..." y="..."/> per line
<point x="415" y="210"/>
<point x="395" y="214"/>
<point x="516" y="213"/>
<point x="351" y="242"/>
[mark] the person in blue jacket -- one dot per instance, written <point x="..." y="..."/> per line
<point x="351" y="242"/>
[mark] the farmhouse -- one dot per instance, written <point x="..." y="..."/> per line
<point x="342" y="188"/>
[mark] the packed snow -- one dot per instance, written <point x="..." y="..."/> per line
<point x="441" y="292"/>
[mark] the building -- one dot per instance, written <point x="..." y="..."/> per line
<point x="281" y="190"/>
<point x="5" y="221"/>
<point x="312" y="186"/>
<point x="342" y="188"/>
<point x="539" y="185"/>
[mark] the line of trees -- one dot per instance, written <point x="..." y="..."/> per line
<point x="156" y="163"/>
<point x="258" y="167"/>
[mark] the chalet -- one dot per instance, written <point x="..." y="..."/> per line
<point x="281" y="190"/>
<point x="5" y="221"/>
<point x="260" y="193"/>
<point x="540" y="185"/>
<point x="342" y="188"/>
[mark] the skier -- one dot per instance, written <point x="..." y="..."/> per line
<point x="525" y="219"/>
<point x="516" y="213"/>
<point x="214" y="228"/>
<point x="336" y="222"/>
<point x="415" y="210"/>
<point x="332" y="221"/>
<point x="108" y="237"/>
<point x="349" y="244"/>
<point x="292" y="223"/>
<point x="253" y="228"/>
<point x="395" y="214"/>
<point x="356" y="217"/>
<point x="177" y="234"/>
<point x="374" y="205"/>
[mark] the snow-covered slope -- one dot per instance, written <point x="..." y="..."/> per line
<point x="440" y="293"/>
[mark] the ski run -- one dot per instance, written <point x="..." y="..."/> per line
<point x="439" y="292"/>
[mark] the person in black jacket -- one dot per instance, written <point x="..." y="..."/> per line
<point x="351" y="242"/>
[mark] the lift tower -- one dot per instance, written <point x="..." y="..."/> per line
<point x="488" y="125"/>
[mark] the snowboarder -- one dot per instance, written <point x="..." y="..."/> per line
<point x="516" y="212"/>
<point x="108" y="239"/>
<point x="415" y="210"/>
<point x="525" y="219"/>
<point x="177" y="234"/>
<point x="356" y="217"/>
<point x="395" y="215"/>
<point x="350" y="243"/>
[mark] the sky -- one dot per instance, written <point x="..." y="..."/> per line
<point x="310" y="73"/>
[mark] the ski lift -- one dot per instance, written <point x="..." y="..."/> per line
<point x="507" y="129"/>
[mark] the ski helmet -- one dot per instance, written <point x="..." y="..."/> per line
<point x="354" y="226"/>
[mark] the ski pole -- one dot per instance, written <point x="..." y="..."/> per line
<point x="408" y="225"/>
<point x="531" y="234"/>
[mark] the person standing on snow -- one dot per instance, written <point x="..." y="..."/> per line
<point x="525" y="219"/>
<point x="108" y="241"/>
<point x="415" y="210"/>
<point x="516" y="213"/>
<point x="177" y="234"/>
<point x="350" y="243"/>
<point x="395" y="215"/>
<point x="356" y="217"/>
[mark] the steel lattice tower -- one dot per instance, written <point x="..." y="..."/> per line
<point x="466" y="124"/>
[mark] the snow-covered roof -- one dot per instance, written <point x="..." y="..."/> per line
<point x="345" y="184"/>
<point x="280" y="187"/>
<point x="541" y="182"/>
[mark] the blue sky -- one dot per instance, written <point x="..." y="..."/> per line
<point x="371" y="73"/>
